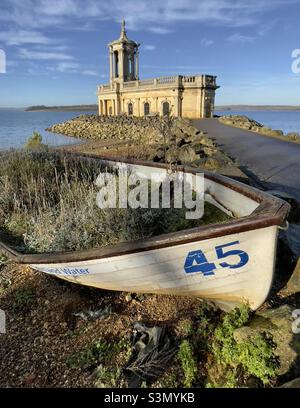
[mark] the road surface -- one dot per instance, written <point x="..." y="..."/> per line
<point x="275" y="162"/>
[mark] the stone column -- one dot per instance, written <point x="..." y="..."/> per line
<point x="136" y="73"/>
<point x="111" y="72"/>
<point x="121" y="64"/>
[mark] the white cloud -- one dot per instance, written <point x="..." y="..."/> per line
<point x="90" y="72"/>
<point x="67" y="67"/>
<point x="237" y="37"/>
<point x="43" y="55"/>
<point x="159" y="30"/>
<point x="73" y="67"/>
<point x="63" y="14"/>
<point x="149" y="47"/>
<point x="20" y="37"/>
<point x="206" y="42"/>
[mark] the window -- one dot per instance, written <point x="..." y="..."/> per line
<point x="130" y="109"/>
<point x="146" y="109"/>
<point x="166" y="109"/>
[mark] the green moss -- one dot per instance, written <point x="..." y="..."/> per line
<point x="23" y="299"/>
<point x="101" y="351"/>
<point x="188" y="363"/>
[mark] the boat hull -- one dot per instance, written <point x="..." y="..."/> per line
<point x="169" y="271"/>
<point x="228" y="263"/>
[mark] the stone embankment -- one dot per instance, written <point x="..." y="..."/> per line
<point x="244" y="122"/>
<point x="162" y="140"/>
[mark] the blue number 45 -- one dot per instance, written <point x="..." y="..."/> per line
<point x="196" y="261"/>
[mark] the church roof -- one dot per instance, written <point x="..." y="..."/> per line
<point x="123" y="37"/>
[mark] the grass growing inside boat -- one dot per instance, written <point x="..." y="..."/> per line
<point x="48" y="204"/>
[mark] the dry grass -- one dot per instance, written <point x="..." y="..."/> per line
<point x="48" y="204"/>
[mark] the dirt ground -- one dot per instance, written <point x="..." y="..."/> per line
<point x="40" y="338"/>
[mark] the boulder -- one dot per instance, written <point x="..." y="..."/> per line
<point x="186" y="154"/>
<point x="271" y="132"/>
<point x="277" y="323"/>
<point x="293" y="285"/>
<point x="293" y="135"/>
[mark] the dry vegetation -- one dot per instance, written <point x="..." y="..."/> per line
<point x="45" y="196"/>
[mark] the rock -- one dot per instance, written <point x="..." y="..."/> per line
<point x="199" y="149"/>
<point x="292" y="384"/>
<point x="199" y="163"/>
<point x="293" y="285"/>
<point x="278" y="323"/>
<point x="211" y="163"/>
<point x="186" y="154"/>
<point x="270" y="132"/>
<point x="205" y="141"/>
<point x="293" y="135"/>
<point x="171" y="155"/>
<point x="128" y="298"/>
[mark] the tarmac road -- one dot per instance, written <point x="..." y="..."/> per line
<point x="275" y="162"/>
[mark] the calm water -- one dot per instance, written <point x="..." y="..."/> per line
<point x="287" y="121"/>
<point x="16" y="127"/>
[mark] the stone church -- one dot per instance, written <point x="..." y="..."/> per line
<point x="186" y="96"/>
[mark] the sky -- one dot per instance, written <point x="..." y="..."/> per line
<point x="56" y="50"/>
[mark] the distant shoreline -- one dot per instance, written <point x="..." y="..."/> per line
<point x="247" y="108"/>
<point x="94" y="107"/>
<point x="42" y="108"/>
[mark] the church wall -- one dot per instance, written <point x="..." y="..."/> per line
<point x="153" y="97"/>
<point x="189" y="102"/>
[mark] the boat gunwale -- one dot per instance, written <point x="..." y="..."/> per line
<point x="271" y="211"/>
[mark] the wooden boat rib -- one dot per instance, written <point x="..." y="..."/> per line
<point x="228" y="263"/>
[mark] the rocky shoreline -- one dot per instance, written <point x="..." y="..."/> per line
<point x="172" y="141"/>
<point x="247" y="123"/>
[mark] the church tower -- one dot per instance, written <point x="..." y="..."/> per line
<point x="123" y="58"/>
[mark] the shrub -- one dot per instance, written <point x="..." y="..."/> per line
<point x="35" y="142"/>
<point x="252" y="357"/>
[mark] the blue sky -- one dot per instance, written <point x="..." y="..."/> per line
<point x="56" y="50"/>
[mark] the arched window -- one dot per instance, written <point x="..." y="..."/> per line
<point x="130" y="109"/>
<point x="166" y="109"/>
<point x="146" y="109"/>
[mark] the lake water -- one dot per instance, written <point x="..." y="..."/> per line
<point x="16" y="126"/>
<point x="287" y="121"/>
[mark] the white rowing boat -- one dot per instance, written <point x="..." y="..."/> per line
<point x="227" y="263"/>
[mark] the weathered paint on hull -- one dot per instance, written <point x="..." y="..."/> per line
<point x="162" y="271"/>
